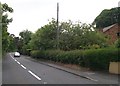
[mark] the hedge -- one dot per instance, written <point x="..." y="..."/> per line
<point x="100" y="58"/>
<point x="92" y="58"/>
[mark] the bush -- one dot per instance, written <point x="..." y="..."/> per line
<point x="35" y="53"/>
<point x="92" y="58"/>
<point x="100" y="58"/>
<point x="117" y="43"/>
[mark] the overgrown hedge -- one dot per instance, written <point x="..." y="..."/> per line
<point x="93" y="58"/>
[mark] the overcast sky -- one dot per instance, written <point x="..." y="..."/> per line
<point x="32" y="14"/>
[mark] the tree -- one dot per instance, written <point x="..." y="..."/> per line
<point x="117" y="43"/>
<point x="45" y="37"/>
<point x="107" y="17"/>
<point x="25" y="37"/>
<point x="11" y="42"/>
<point x="66" y="35"/>
<point x="71" y="36"/>
<point x="80" y="36"/>
<point x="5" y="22"/>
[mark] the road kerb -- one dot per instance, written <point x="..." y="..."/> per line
<point x="47" y="64"/>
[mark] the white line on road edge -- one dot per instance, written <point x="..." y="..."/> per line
<point x="34" y="75"/>
<point x="23" y="66"/>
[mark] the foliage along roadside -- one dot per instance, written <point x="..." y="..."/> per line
<point x="5" y="9"/>
<point x="92" y="58"/>
<point x="71" y="37"/>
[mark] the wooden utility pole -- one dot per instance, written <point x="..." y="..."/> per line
<point x="57" y="25"/>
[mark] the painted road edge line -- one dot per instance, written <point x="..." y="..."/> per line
<point x="34" y="75"/>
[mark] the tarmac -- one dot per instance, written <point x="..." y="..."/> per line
<point x="100" y="77"/>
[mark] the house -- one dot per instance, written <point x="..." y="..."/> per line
<point x="113" y="32"/>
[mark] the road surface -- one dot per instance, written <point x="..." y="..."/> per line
<point x="24" y="71"/>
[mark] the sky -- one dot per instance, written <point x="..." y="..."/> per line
<point x="32" y="14"/>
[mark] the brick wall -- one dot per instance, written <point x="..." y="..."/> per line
<point x="112" y="33"/>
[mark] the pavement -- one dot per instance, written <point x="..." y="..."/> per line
<point x="100" y="77"/>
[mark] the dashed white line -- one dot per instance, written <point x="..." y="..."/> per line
<point x="23" y="66"/>
<point x="34" y="75"/>
<point x="18" y="62"/>
<point x="26" y="68"/>
<point x="12" y="57"/>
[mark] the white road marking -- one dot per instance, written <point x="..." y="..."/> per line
<point x="26" y="68"/>
<point x="91" y="79"/>
<point x="90" y="73"/>
<point x="18" y="62"/>
<point x="34" y="75"/>
<point x="12" y="57"/>
<point x="40" y="78"/>
<point x="23" y="66"/>
<point x="44" y="82"/>
<point x="15" y="60"/>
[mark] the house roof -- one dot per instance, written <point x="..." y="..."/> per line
<point x="107" y="28"/>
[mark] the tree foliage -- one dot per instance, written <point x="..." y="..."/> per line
<point x="71" y="36"/>
<point x="107" y="17"/>
<point x="45" y="37"/>
<point x="11" y="42"/>
<point x="25" y="37"/>
<point x="5" y="21"/>
<point x="117" y="43"/>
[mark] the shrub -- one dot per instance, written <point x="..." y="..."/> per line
<point x="37" y="54"/>
<point x="100" y="58"/>
<point x="117" y="43"/>
<point x="92" y="58"/>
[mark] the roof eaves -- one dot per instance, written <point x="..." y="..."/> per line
<point x="107" y="28"/>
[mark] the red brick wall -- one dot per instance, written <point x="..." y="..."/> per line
<point x="112" y="33"/>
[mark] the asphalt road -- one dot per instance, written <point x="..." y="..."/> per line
<point x="25" y="71"/>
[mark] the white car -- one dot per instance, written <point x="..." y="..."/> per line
<point x="16" y="54"/>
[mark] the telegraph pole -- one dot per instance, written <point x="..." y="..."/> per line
<point x="57" y="25"/>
